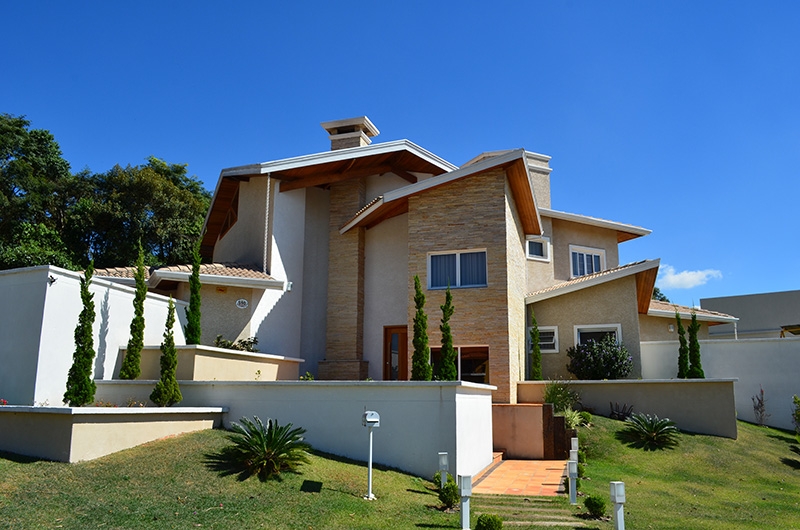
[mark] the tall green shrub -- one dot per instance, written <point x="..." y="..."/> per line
<point x="131" y="364"/>
<point x="167" y="392"/>
<point x="535" y="364"/>
<point x="683" y="350"/>
<point x="80" y="386"/>
<point x="603" y="359"/>
<point x="192" y="329"/>
<point x="695" y="367"/>
<point x="421" y="360"/>
<point x="447" y="369"/>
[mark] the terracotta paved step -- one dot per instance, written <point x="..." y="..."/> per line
<point x="523" y="477"/>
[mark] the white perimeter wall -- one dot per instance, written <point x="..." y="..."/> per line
<point x="418" y="419"/>
<point x="771" y="364"/>
<point x="385" y="286"/>
<point x="39" y="322"/>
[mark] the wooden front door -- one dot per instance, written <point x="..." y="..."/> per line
<point x="395" y="353"/>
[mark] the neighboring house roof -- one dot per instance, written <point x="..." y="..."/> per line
<point x="230" y="274"/>
<point x="400" y="157"/>
<point x="395" y="202"/>
<point x="645" y="272"/>
<point x="625" y="232"/>
<point x="668" y="309"/>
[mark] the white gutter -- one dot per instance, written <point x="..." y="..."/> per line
<point x="594" y="221"/>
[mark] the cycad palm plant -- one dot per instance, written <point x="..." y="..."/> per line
<point x="649" y="432"/>
<point x="266" y="450"/>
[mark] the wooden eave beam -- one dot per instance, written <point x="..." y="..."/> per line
<point x="523" y="196"/>
<point x="645" y="281"/>
<point x="320" y="179"/>
<point x="402" y="173"/>
<point x="393" y="210"/>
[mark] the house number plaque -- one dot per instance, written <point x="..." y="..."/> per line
<point x="241" y="303"/>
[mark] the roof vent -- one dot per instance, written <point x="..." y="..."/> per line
<point x="351" y="132"/>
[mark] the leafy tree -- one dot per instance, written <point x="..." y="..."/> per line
<point x="131" y="364"/>
<point x="658" y="295"/>
<point x="683" y="350"/>
<point x="447" y="369"/>
<point x="192" y="330"/>
<point x="34" y="244"/>
<point x="420" y="361"/>
<point x="167" y="392"/>
<point x="695" y="367"/>
<point x="80" y="386"/>
<point x="535" y="365"/>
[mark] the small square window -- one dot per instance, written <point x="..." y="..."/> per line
<point x="538" y="248"/>
<point x="548" y="339"/>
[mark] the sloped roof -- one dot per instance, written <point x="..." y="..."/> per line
<point x="645" y="272"/>
<point x="624" y="231"/>
<point x="212" y="273"/>
<point x="668" y="309"/>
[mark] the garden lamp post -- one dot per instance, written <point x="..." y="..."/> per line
<point x="443" y="467"/>
<point x="572" y="467"/>
<point x="465" y="486"/>
<point x="618" y="500"/>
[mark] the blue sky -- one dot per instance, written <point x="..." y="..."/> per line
<point x="682" y="117"/>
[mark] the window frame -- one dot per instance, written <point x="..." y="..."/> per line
<point x="601" y="252"/>
<point x="545" y="241"/>
<point x="554" y="329"/>
<point x="616" y="328"/>
<point x="458" y="349"/>
<point x="458" y="254"/>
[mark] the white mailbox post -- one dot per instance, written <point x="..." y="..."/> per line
<point x="371" y="419"/>
<point x="618" y="500"/>
<point x="465" y="486"/>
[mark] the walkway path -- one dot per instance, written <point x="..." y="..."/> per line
<point x="523" y="477"/>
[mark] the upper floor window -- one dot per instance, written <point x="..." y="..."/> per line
<point x="586" y="260"/>
<point x="465" y="268"/>
<point x="538" y="248"/>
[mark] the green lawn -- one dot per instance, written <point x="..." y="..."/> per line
<point x="704" y="483"/>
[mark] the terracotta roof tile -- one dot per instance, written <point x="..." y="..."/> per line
<point x="657" y="305"/>
<point x="587" y="277"/>
<point x="233" y="270"/>
<point x="119" y="272"/>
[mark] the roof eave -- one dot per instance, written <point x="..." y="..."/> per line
<point x="214" y="279"/>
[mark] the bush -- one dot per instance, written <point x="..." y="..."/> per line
<point x="264" y="450"/>
<point x="248" y="344"/>
<point x="449" y="494"/>
<point x="560" y="395"/>
<point x="649" y="432"/>
<point x="566" y="484"/>
<point x="80" y="385"/>
<point x="604" y="359"/>
<point x="796" y="413"/>
<point x="572" y="418"/>
<point x="437" y="479"/>
<point x="595" y="505"/>
<point x="586" y="417"/>
<point x="489" y="521"/>
<point x="167" y="392"/>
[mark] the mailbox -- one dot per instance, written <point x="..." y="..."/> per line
<point x="371" y="419"/>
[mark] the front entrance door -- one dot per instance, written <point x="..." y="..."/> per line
<point x="395" y="353"/>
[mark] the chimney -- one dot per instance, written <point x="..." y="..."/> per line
<point x="351" y="132"/>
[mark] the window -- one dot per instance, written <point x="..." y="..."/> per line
<point x="586" y="260"/>
<point x="596" y="332"/>
<point x="538" y="248"/>
<point x="548" y="339"/>
<point x="472" y="363"/>
<point x="457" y="269"/>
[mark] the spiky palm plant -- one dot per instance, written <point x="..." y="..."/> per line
<point x="649" y="432"/>
<point x="266" y="450"/>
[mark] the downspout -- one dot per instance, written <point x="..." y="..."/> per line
<point x="267" y="239"/>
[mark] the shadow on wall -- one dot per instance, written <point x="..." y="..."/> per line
<point x="102" y="342"/>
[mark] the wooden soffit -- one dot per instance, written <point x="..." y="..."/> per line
<point x="645" y="282"/>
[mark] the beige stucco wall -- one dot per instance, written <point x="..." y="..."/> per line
<point x="566" y="233"/>
<point x="244" y="242"/>
<point x="466" y="215"/>
<point x="541" y="274"/>
<point x="515" y="267"/>
<point x="518" y="430"/>
<point x="219" y="314"/>
<point x="657" y="328"/>
<point x="608" y="303"/>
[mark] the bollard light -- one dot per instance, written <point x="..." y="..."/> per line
<point x="572" y="469"/>
<point x="573" y="455"/>
<point x="574" y="442"/>
<point x="618" y="500"/>
<point x="443" y="467"/>
<point x="465" y="487"/>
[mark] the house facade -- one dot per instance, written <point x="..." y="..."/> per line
<point x="338" y="237"/>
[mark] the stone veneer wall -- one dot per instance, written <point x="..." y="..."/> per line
<point x="472" y="213"/>
<point x="345" y="328"/>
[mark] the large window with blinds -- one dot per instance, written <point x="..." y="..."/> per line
<point x="464" y="268"/>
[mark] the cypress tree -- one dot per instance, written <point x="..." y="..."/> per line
<point x="80" y="386"/>
<point x="535" y="373"/>
<point x="421" y="360"/>
<point x="695" y="368"/>
<point x="167" y="392"/>
<point x="192" y="329"/>
<point x="447" y="370"/>
<point x="131" y="364"/>
<point x="683" y="350"/>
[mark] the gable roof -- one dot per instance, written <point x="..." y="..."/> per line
<point x="668" y="310"/>
<point x="400" y="157"/>
<point x="514" y="162"/>
<point x="229" y="274"/>
<point x="645" y="272"/>
<point x="624" y="231"/>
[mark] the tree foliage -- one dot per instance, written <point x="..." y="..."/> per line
<point x="658" y="295"/>
<point x="695" y="367"/>
<point x="167" y="392"/>
<point x="192" y="329"/>
<point x="447" y="364"/>
<point x="535" y="364"/>
<point x="421" y="359"/>
<point x="80" y="386"/>
<point x="683" y="349"/>
<point x="131" y="364"/>
<point x="603" y="359"/>
<point x="50" y="216"/>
